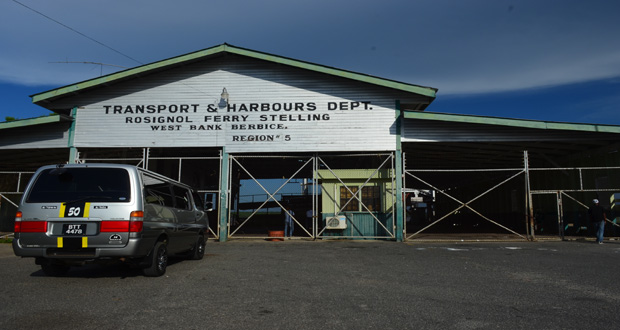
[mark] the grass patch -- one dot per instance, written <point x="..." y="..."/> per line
<point x="6" y="240"/>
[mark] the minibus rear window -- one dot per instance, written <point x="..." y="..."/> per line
<point x="88" y="184"/>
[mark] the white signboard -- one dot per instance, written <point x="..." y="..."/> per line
<point x="248" y="115"/>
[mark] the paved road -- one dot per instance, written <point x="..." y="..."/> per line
<point x="330" y="285"/>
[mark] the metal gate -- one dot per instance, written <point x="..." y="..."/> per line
<point x="563" y="196"/>
<point x="552" y="202"/>
<point x="363" y="200"/>
<point x="452" y="194"/>
<point x="263" y="189"/>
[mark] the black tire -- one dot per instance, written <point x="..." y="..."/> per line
<point x="199" y="249"/>
<point x="54" y="269"/>
<point x="158" y="261"/>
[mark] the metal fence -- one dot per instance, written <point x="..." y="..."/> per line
<point x="524" y="202"/>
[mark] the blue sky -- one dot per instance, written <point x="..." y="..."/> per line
<point x="553" y="60"/>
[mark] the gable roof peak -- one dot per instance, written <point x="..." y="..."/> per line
<point x="48" y="96"/>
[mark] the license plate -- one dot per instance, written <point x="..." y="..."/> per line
<point x="74" y="229"/>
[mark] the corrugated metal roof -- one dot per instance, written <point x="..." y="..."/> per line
<point x="221" y="49"/>
<point x="449" y="141"/>
<point x="523" y="123"/>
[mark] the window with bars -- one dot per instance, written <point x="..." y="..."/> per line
<point x="370" y="198"/>
<point x="346" y="203"/>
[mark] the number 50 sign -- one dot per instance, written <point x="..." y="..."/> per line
<point x="74" y="210"/>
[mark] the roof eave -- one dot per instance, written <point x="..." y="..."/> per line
<point x="31" y="122"/>
<point x="125" y="74"/>
<point x="522" y="123"/>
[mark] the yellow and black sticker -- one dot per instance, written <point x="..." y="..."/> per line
<point x="74" y="210"/>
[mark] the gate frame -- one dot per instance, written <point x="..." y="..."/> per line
<point x="4" y="194"/>
<point x="464" y="204"/>
<point x="529" y="212"/>
<point x="17" y="190"/>
<point x="520" y="171"/>
<point x="391" y="234"/>
<point x="233" y="158"/>
<point x="317" y="160"/>
<point x="564" y="192"/>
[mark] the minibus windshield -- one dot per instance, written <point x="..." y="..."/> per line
<point x="84" y="184"/>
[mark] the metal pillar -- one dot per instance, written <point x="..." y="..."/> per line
<point x="315" y="196"/>
<point x="399" y="177"/>
<point x="560" y="215"/>
<point x="529" y="207"/>
<point x="71" y="140"/>
<point x="224" y="195"/>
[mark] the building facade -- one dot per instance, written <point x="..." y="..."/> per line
<point x="262" y="135"/>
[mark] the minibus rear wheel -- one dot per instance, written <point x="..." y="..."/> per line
<point x="199" y="248"/>
<point x="158" y="261"/>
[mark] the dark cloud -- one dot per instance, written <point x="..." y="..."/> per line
<point x="473" y="46"/>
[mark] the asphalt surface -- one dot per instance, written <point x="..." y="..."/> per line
<point x="330" y="285"/>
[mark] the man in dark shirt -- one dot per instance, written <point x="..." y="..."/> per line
<point x="598" y="217"/>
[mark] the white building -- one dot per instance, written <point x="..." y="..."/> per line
<point x="246" y="128"/>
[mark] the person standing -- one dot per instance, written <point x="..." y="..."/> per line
<point x="598" y="217"/>
<point x="288" y="222"/>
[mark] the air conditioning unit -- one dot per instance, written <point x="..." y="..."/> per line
<point x="337" y="222"/>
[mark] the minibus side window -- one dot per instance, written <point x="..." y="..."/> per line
<point x="198" y="201"/>
<point x="159" y="194"/>
<point x="181" y="196"/>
